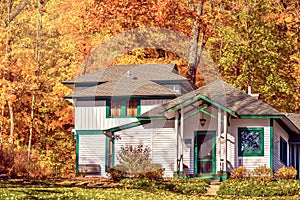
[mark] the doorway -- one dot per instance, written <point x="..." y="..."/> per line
<point x="205" y="152"/>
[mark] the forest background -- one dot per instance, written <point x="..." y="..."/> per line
<point x="45" y="42"/>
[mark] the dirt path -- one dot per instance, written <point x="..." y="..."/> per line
<point x="212" y="189"/>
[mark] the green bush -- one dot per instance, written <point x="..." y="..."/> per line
<point x="255" y="188"/>
<point x="178" y="185"/>
<point x="135" y="162"/>
<point x="286" y="173"/>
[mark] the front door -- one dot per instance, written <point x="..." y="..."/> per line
<point x="205" y="152"/>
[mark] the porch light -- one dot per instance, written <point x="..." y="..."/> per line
<point x="202" y="121"/>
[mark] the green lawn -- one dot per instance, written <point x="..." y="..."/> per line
<point x="104" y="189"/>
<point x="83" y="189"/>
<point x="88" y="193"/>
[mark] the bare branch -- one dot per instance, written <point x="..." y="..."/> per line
<point x="16" y="11"/>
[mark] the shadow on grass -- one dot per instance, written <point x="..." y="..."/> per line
<point x="178" y="186"/>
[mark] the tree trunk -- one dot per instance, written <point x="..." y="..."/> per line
<point x="1" y="126"/>
<point x="16" y="11"/>
<point x="12" y="124"/>
<point x="31" y="126"/>
<point x="37" y="58"/>
<point x="193" y="53"/>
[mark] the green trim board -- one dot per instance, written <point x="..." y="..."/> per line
<point x="250" y="141"/>
<point x="77" y="152"/>
<point x="195" y="112"/>
<point x="261" y="116"/>
<point x="89" y="132"/>
<point x="218" y="105"/>
<point x="181" y="104"/>
<point x="271" y="142"/>
<point x="113" y="150"/>
<point x="213" y="152"/>
<point x="204" y="98"/>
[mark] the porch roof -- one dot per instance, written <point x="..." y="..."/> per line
<point x="219" y="94"/>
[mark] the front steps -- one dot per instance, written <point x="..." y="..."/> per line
<point x="213" y="187"/>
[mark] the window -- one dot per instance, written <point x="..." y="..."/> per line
<point x="122" y="108"/>
<point x="115" y="108"/>
<point x="132" y="107"/>
<point x="250" y="141"/>
<point x="283" y="151"/>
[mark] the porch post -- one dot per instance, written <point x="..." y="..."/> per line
<point x="176" y="144"/>
<point x="219" y="139"/>
<point x="225" y="141"/>
<point x="181" y="140"/>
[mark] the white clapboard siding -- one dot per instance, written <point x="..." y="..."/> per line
<point x="279" y="132"/>
<point x="160" y="141"/>
<point x="132" y="137"/>
<point x="188" y="158"/>
<point x="187" y="155"/>
<point x="252" y="162"/>
<point x="94" y="118"/>
<point x="231" y="151"/>
<point x="163" y="150"/>
<point x="92" y="150"/>
<point x="147" y="105"/>
<point x="88" y="118"/>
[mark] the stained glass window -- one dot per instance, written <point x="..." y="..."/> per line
<point x="250" y="141"/>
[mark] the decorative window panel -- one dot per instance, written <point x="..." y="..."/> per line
<point x="250" y="141"/>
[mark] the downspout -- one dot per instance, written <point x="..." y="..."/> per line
<point x="219" y="139"/>
<point x="181" y="140"/>
<point x="176" y="145"/>
<point x="225" y="142"/>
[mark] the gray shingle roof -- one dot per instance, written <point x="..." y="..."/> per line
<point x="125" y="87"/>
<point x="151" y="72"/>
<point x="295" y="118"/>
<point x="224" y="95"/>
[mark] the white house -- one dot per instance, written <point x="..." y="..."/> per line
<point x="203" y="132"/>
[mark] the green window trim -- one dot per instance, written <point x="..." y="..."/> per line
<point x="271" y="142"/>
<point x="283" y="151"/>
<point x="123" y="108"/>
<point x="249" y="135"/>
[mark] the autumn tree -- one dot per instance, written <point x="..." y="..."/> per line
<point x="256" y="49"/>
<point x="34" y="65"/>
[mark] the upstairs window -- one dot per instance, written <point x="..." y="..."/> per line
<point x="283" y="151"/>
<point x="132" y="108"/>
<point x="115" y="108"/>
<point x="123" y="108"/>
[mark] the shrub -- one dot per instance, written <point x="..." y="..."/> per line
<point x="262" y="173"/>
<point x="239" y="173"/>
<point x="254" y="188"/>
<point x="178" y="185"/>
<point x="135" y="162"/>
<point x="286" y="173"/>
